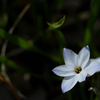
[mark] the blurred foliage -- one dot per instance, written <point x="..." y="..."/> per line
<point x="35" y="47"/>
<point x="57" y="24"/>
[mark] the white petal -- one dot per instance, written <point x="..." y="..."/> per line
<point x="63" y="70"/>
<point x="98" y="59"/>
<point x="83" y="56"/>
<point x="93" y="67"/>
<point x="68" y="83"/>
<point x="81" y="76"/>
<point x="69" y="57"/>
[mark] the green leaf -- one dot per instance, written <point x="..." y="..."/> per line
<point x="57" y="24"/>
<point x="17" y="40"/>
<point x="61" y="39"/>
<point x="3" y="19"/>
<point x="96" y="98"/>
<point x="11" y="64"/>
<point x="94" y="11"/>
<point x="26" y="45"/>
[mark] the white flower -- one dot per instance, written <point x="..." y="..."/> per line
<point x="76" y="68"/>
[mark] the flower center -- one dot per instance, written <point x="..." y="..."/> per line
<point x="78" y="70"/>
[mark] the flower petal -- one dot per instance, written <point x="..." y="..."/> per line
<point x="83" y="56"/>
<point x="93" y="67"/>
<point x="81" y="76"/>
<point x="69" y="57"/>
<point x="68" y="83"/>
<point x="63" y="71"/>
<point x="97" y="59"/>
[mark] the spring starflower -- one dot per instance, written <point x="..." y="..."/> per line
<point x="77" y="67"/>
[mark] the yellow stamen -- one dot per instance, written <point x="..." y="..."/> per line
<point x="78" y="70"/>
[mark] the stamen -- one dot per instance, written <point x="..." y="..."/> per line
<point x="78" y="70"/>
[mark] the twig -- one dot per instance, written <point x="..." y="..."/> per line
<point x="12" y="87"/>
<point x="3" y="50"/>
<point x="4" y="46"/>
<point x="94" y="88"/>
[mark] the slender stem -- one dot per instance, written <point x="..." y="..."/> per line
<point x="19" y="18"/>
<point x="12" y="87"/>
<point x="3" y="50"/>
<point x="4" y="46"/>
<point x="94" y="88"/>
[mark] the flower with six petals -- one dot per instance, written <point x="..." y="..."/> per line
<point x="77" y="67"/>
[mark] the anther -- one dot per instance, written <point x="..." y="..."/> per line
<point x="78" y="70"/>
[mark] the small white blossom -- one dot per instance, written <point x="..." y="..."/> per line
<point x="76" y="68"/>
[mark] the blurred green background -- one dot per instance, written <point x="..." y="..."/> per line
<point x="30" y="48"/>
